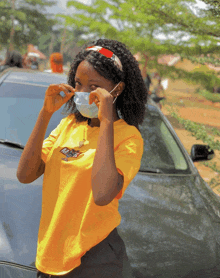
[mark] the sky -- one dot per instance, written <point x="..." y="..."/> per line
<point x="61" y="7"/>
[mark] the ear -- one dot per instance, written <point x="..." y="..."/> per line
<point x="119" y="89"/>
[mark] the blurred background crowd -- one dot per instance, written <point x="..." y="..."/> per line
<point x="32" y="61"/>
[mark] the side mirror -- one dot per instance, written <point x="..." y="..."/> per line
<point x="201" y="152"/>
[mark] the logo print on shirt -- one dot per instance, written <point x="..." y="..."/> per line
<point x="70" y="153"/>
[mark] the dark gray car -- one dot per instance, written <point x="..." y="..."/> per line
<point x="170" y="217"/>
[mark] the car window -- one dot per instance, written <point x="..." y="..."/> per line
<point x="16" y="90"/>
<point x="38" y="78"/>
<point x="19" y="109"/>
<point x="161" y="151"/>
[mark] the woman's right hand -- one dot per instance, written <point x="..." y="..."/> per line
<point x="53" y="100"/>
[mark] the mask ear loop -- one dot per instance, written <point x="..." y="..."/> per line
<point x="115" y="99"/>
<point x="113" y="90"/>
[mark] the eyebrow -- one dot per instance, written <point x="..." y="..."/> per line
<point x="90" y="80"/>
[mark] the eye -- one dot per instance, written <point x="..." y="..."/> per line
<point x="94" y="87"/>
<point x="77" y="84"/>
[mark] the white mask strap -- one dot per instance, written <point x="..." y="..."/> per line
<point x="113" y="90"/>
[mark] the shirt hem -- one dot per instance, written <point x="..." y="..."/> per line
<point x="50" y="272"/>
<point x="73" y="266"/>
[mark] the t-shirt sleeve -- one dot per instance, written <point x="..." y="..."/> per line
<point x="50" y="140"/>
<point x="128" y="160"/>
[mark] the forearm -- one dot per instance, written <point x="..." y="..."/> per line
<point x="30" y="163"/>
<point x="105" y="176"/>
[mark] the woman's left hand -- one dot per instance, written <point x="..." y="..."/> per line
<point x="104" y="101"/>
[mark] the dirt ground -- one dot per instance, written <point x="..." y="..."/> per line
<point x="196" y="108"/>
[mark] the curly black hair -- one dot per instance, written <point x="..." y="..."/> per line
<point x="131" y="102"/>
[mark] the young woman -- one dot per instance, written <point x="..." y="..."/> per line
<point x="88" y="162"/>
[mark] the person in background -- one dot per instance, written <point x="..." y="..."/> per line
<point x="159" y="89"/>
<point x="34" y="64"/>
<point x="26" y="61"/>
<point x="147" y="82"/>
<point x="88" y="161"/>
<point x="56" y="62"/>
<point x="158" y="92"/>
<point x="13" y="59"/>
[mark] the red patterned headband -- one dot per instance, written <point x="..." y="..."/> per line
<point x="107" y="53"/>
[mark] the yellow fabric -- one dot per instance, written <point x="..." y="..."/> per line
<point x="71" y="223"/>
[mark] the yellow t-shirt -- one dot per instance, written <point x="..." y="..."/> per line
<point x="71" y="223"/>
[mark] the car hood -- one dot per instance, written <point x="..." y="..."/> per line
<point x="170" y="225"/>
<point x="19" y="213"/>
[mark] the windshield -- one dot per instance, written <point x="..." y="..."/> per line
<point x="19" y="108"/>
<point x="161" y="150"/>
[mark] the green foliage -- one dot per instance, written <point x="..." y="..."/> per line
<point x="30" y="22"/>
<point x="199" y="131"/>
<point x="52" y="42"/>
<point x="214" y="97"/>
<point x="215" y="183"/>
<point x="203" y="68"/>
<point x="206" y="58"/>
<point x="212" y="165"/>
<point x="215" y="131"/>
<point x="207" y="79"/>
<point x="213" y="7"/>
<point x="140" y="23"/>
<point x="147" y="16"/>
<point x="211" y="15"/>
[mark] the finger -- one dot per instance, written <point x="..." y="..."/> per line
<point x="93" y="96"/>
<point x="97" y="103"/>
<point x="53" y="89"/>
<point x="67" y="92"/>
<point x="96" y="100"/>
<point x="68" y="95"/>
<point x="68" y="87"/>
<point x="66" y="98"/>
<point x="64" y="87"/>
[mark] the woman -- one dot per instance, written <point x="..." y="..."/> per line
<point x="88" y="162"/>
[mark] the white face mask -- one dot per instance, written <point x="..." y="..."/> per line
<point x="82" y="104"/>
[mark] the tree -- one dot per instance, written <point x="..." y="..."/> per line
<point x="61" y="39"/>
<point x="154" y="28"/>
<point x="24" y="21"/>
<point x="213" y="7"/>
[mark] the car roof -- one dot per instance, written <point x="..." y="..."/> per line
<point x="31" y="77"/>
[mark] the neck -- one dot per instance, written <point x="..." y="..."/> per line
<point x="95" y="121"/>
